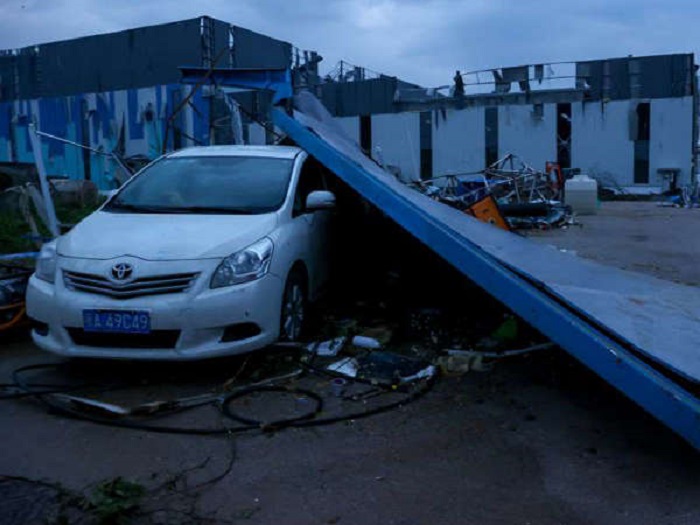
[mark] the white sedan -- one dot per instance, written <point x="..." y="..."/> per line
<point x="206" y="252"/>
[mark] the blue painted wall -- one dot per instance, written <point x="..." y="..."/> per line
<point x="100" y="120"/>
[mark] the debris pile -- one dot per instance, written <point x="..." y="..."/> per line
<point x="428" y="344"/>
<point x="685" y="197"/>
<point x="509" y="193"/>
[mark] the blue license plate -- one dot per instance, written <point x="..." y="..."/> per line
<point x="117" y="321"/>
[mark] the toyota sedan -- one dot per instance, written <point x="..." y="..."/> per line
<point x="206" y="252"/>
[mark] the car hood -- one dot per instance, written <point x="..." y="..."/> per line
<point x="105" y="235"/>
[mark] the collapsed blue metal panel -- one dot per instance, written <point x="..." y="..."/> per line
<point x="279" y="81"/>
<point x="596" y="348"/>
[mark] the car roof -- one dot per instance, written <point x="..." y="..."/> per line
<point x="277" y="152"/>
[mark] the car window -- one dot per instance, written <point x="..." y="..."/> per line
<point x="246" y="185"/>
<point x="310" y="179"/>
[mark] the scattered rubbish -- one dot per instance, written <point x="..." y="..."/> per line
<point x="390" y="368"/>
<point x="327" y="348"/>
<point x="507" y="331"/>
<point x="91" y="405"/>
<point x="427" y="373"/>
<point x="383" y="334"/>
<point x="512" y="195"/>
<point x="486" y="210"/>
<point x="458" y="362"/>
<point x="451" y="365"/>
<point x="366" y="342"/>
<point x="497" y="355"/>
<point x="685" y="197"/>
<point x="347" y="366"/>
<point x="338" y="385"/>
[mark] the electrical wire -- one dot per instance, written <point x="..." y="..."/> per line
<point x="224" y="402"/>
<point x="275" y="425"/>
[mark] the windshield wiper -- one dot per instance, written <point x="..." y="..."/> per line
<point x="214" y="210"/>
<point x="138" y="208"/>
<point x="116" y="205"/>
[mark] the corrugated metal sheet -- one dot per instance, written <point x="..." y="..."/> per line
<point x="663" y="76"/>
<point x="134" y="58"/>
<point x="253" y="50"/>
<point x="363" y="97"/>
<point x="129" y="59"/>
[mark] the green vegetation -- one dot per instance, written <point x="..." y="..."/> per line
<point x="16" y="236"/>
<point x="113" y="501"/>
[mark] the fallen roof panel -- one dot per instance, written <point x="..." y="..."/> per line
<point x="603" y="316"/>
<point x="638" y="333"/>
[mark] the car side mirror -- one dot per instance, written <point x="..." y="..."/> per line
<point x="320" y="200"/>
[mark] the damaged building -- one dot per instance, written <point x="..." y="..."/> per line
<point x="121" y="93"/>
<point x="630" y="122"/>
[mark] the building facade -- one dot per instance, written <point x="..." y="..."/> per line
<point x="121" y="93"/>
<point x="629" y="122"/>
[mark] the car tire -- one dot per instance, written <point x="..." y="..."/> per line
<point x="294" y="307"/>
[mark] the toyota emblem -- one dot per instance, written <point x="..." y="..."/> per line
<point x="122" y="271"/>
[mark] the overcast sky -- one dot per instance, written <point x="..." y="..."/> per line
<point x="423" y="41"/>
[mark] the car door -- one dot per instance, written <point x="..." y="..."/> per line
<point x="311" y="227"/>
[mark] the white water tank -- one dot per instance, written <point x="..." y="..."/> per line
<point x="581" y="193"/>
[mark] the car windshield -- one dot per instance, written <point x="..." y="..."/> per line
<point x="235" y="185"/>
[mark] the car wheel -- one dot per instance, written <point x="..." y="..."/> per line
<point x="293" y="316"/>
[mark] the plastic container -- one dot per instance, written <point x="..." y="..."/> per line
<point x="581" y="193"/>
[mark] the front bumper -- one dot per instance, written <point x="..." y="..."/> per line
<point x="197" y="317"/>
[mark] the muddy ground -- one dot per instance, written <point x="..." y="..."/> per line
<point x="536" y="440"/>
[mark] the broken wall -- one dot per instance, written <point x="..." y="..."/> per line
<point x="603" y="145"/>
<point x="526" y="133"/>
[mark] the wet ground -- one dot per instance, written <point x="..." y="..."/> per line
<point x="636" y="236"/>
<point x="536" y="440"/>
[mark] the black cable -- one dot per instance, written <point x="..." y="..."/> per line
<point x="414" y="396"/>
<point x="29" y="389"/>
<point x="303" y="421"/>
<point x="274" y="425"/>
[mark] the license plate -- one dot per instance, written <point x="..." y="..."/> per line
<point x="117" y="321"/>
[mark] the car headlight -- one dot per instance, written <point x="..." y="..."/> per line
<point x="246" y="265"/>
<point x="46" y="263"/>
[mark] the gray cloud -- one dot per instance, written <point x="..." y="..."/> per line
<point x="421" y="41"/>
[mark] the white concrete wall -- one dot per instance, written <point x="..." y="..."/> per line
<point x="398" y="136"/>
<point x="600" y="136"/>
<point x="532" y="139"/>
<point x="671" y="134"/>
<point x="602" y="144"/>
<point x="351" y="127"/>
<point x="458" y="141"/>
<point x="600" y="140"/>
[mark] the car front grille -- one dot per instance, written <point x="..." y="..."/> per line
<point x="154" y="285"/>
<point x="156" y="339"/>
